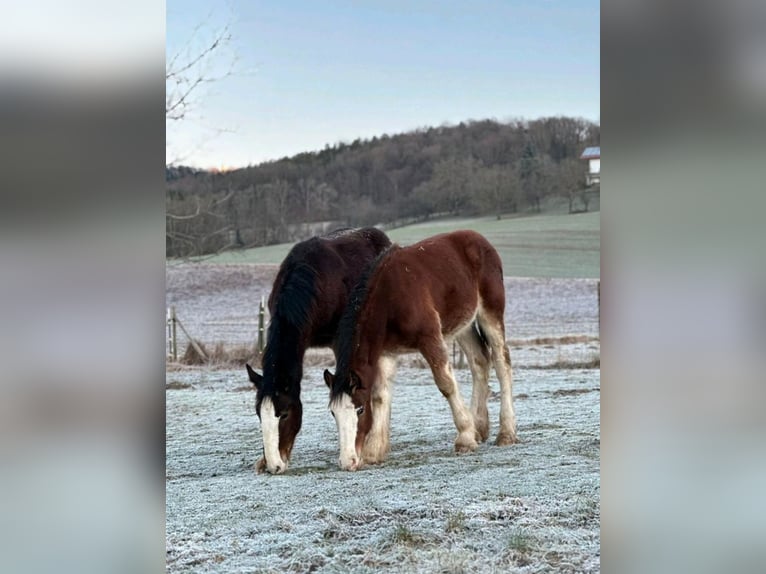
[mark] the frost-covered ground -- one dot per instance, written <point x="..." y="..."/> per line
<point x="531" y="507"/>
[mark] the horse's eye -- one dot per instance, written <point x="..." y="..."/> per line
<point x="283" y="416"/>
<point x="333" y="414"/>
<point x="359" y="411"/>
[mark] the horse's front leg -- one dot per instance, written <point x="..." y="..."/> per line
<point x="377" y="443"/>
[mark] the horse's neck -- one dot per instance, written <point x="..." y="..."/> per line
<point x="290" y="345"/>
<point x="371" y="334"/>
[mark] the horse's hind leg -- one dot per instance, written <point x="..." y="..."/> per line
<point x="435" y="352"/>
<point x="376" y="445"/>
<point x="478" y="356"/>
<point x="494" y="330"/>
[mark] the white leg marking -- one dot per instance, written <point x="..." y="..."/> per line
<point x="445" y="380"/>
<point x="270" y="431"/>
<point x="376" y="445"/>
<point x="346" y="419"/>
<point x="501" y="358"/>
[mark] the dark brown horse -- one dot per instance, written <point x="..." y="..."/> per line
<point x="419" y="298"/>
<point x="307" y="300"/>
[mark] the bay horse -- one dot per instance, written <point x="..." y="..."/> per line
<point x="307" y="300"/>
<point x="447" y="287"/>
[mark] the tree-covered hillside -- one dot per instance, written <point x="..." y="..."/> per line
<point x="473" y="168"/>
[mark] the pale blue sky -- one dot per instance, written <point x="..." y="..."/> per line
<point x="312" y="73"/>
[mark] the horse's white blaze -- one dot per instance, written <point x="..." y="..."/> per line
<point x="346" y="419"/>
<point x="270" y="431"/>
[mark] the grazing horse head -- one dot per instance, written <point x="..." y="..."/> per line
<point x="281" y="414"/>
<point x="352" y="411"/>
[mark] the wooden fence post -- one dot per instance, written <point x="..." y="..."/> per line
<point x="193" y="343"/>
<point x="599" y="308"/>
<point x="168" y="346"/>
<point x="172" y="339"/>
<point x="261" y="322"/>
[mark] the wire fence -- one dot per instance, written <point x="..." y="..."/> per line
<point x="178" y="335"/>
<point x="247" y="332"/>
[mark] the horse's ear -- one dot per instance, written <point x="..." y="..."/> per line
<point x="255" y="378"/>
<point x="328" y="378"/>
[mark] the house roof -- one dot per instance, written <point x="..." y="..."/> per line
<point x="591" y="153"/>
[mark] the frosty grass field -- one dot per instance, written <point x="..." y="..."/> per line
<point x="531" y="507"/>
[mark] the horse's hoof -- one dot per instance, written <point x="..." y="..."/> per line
<point x="260" y="466"/>
<point x="463" y="447"/>
<point x="482" y="433"/>
<point x="374" y="458"/>
<point x="376" y="454"/>
<point x="370" y="458"/>
<point x="504" y="439"/>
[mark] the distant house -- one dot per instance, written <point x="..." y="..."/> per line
<point x="593" y="155"/>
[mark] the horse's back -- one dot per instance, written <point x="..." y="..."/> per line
<point x="336" y="261"/>
<point x="329" y="255"/>
<point x="474" y="247"/>
<point x="357" y="246"/>
<point x="449" y="273"/>
<point x="454" y="254"/>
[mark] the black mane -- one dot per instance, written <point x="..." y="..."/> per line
<point x="293" y="309"/>
<point x="297" y="296"/>
<point x="347" y="335"/>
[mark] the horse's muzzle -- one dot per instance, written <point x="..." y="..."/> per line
<point x="278" y="468"/>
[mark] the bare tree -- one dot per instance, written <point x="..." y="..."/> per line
<point x="277" y="196"/>
<point x="202" y="222"/>
<point x="451" y="187"/>
<point x="188" y="70"/>
<point x="498" y="189"/>
<point x="199" y="225"/>
<point x="571" y="178"/>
